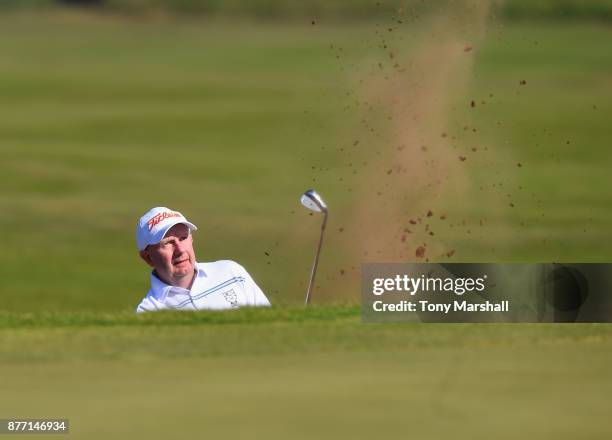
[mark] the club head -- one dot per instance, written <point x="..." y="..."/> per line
<point x="313" y="201"/>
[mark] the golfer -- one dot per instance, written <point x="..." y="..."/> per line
<point x="178" y="282"/>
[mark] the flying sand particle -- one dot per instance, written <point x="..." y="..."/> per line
<point x="420" y="252"/>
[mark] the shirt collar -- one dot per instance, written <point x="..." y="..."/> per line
<point x="160" y="289"/>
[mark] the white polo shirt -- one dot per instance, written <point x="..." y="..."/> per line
<point x="219" y="285"/>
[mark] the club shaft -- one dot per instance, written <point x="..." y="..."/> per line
<point x="316" y="261"/>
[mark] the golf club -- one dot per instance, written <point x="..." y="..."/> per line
<point x="313" y="201"/>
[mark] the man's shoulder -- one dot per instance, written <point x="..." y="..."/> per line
<point x="221" y="266"/>
<point x="149" y="304"/>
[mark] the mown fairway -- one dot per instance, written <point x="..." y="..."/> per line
<point x="556" y="126"/>
<point x="103" y="117"/>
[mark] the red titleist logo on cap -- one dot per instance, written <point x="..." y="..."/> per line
<point x="161" y="217"/>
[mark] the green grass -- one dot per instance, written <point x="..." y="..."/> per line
<point x="556" y="127"/>
<point x="103" y="117"/>
<point x="169" y="318"/>
<point x="96" y="131"/>
<point x="338" y="10"/>
<point x="295" y="373"/>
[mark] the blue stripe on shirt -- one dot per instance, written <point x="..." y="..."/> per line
<point x="209" y="291"/>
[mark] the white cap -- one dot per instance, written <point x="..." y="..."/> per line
<point x="153" y="226"/>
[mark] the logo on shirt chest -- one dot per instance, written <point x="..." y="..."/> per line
<point x="231" y="297"/>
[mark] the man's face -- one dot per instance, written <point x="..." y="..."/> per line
<point x="173" y="258"/>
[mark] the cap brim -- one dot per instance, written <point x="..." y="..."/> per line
<point x="159" y="235"/>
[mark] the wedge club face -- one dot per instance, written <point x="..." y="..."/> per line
<point x="313" y="201"/>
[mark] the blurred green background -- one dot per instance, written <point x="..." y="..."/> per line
<point x="228" y="111"/>
<point x="493" y="116"/>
